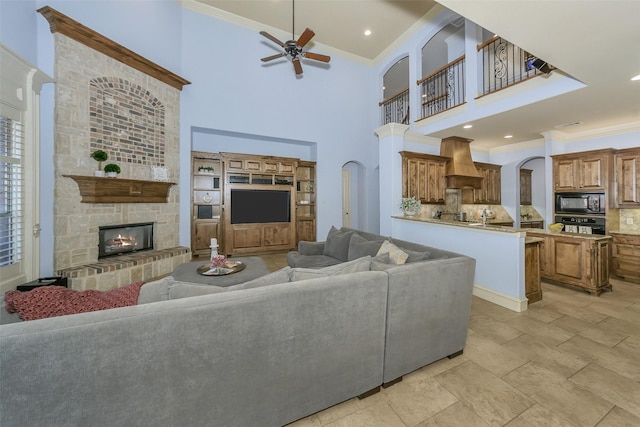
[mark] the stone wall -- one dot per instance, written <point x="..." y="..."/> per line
<point x="139" y="130"/>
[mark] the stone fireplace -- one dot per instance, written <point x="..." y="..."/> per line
<point x="132" y="113"/>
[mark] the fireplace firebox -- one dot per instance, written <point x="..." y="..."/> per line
<point x="124" y="238"/>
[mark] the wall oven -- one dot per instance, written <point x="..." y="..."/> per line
<point x="573" y="224"/>
<point x="580" y="203"/>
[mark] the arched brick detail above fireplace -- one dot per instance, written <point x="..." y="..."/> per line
<point x="127" y="121"/>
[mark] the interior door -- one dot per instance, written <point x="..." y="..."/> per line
<point x="346" y="198"/>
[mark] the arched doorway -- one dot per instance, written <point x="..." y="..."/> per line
<point x="353" y="195"/>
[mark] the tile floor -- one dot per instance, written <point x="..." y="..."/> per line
<point x="572" y="359"/>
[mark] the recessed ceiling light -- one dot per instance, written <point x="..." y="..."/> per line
<point x="367" y="32"/>
<point x="508" y="136"/>
<point x="636" y="77"/>
<point x="467" y="126"/>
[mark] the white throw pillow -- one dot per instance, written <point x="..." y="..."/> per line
<point x="396" y="255"/>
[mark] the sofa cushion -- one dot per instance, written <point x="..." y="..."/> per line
<point x="360" y="247"/>
<point x="337" y="244"/>
<point x="278" y="276"/>
<point x="361" y="264"/>
<point x="415" y="256"/>
<point x="179" y="290"/>
<point x="155" y="291"/>
<point x="396" y="255"/>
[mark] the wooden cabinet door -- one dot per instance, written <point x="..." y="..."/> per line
<point x="628" y="180"/>
<point x="203" y="233"/>
<point x="306" y="230"/>
<point x="494" y="187"/>
<point x="565" y="174"/>
<point x="532" y="288"/>
<point x="525" y="187"/>
<point x="592" y="173"/>
<point x="425" y="180"/>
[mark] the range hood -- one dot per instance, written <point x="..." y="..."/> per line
<point x="460" y="171"/>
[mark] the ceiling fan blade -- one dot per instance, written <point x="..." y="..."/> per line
<point x="273" y="39"/>
<point x="316" y="56"/>
<point x="272" y="57"/>
<point x="297" y="65"/>
<point x="305" y="37"/>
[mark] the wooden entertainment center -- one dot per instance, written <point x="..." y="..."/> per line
<point x="274" y="203"/>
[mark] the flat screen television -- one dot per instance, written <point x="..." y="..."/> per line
<point x="256" y="206"/>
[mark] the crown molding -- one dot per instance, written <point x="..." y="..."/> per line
<point x="60" y="23"/>
<point x="594" y="133"/>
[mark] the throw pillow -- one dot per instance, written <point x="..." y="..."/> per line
<point x="155" y="291"/>
<point x="337" y="244"/>
<point x="279" y="276"/>
<point x="357" y="265"/>
<point x="360" y="247"/>
<point x="396" y="255"/>
<point x="414" y="256"/>
<point x="179" y="290"/>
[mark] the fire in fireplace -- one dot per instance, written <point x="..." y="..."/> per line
<point x="124" y="238"/>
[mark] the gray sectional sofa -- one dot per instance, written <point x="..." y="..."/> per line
<point x="263" y="353"/>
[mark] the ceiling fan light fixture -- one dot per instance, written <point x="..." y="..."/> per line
<point x="294" y="48"/>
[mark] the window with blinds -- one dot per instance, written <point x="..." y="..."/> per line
<point x="11" y="191"/>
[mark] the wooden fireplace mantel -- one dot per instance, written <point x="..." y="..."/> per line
<point x="95" y="189"/>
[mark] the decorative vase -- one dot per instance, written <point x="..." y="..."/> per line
<point x="410" y="212"/>
<point x="99" y="173"/>
<point x="112" y="174"/>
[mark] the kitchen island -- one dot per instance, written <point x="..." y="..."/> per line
<point x="574" y="259"/>
<point x="499" y="252"/>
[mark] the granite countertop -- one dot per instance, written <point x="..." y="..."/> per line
<point x="467" y="224"/>
<point x="628" y="233"/>
<point x="565" y="234"/>
<point x="530" y="239"/>
<point x="503" y="229"/>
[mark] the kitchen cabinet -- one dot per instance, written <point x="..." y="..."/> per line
<point x="206" y="202"/>
<point x="490" y="192"/>
<point x="627" y="177"/>
<point x="525" y="187"/>
<point x="423" y="177"/>
<point x="584" y="171"/>
<point x="532" y="288"/>
<point x="625" y="259"/>
<point x="576" y="260"/>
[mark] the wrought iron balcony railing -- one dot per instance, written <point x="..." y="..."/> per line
<point x="395" y="109"/>
<point x="504" y="64"/>
<point x="443" y="89"/>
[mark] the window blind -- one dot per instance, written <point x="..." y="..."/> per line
<point x="11" y="191"/>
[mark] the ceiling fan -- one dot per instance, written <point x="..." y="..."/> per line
<point x="293" y="48"/>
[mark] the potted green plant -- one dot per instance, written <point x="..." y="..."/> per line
<point x="99" y="156"/>
<point x="205" y="169"/>
<point x="112" y="170"/>
<point x="410" y="206"/>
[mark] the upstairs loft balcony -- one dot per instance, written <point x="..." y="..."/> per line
<point x="501" y="64"/>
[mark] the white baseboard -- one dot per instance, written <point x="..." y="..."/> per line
<point x="506" y="301"/>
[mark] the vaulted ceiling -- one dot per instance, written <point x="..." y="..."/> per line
<point x="596" y="42"/>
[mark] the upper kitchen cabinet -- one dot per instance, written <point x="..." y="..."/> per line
<point x="585" y="171"/>
<point x="525" y="187"/>
<point x="423" y="177"/>
<point x="490" y="192"/>
<point x="628" y="177"/>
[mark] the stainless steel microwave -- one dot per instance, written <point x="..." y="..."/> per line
<point x="580" y="203"/>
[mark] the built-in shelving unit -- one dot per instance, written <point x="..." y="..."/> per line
<point x="206" y="201"/>
<point x="306" y="201"/>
